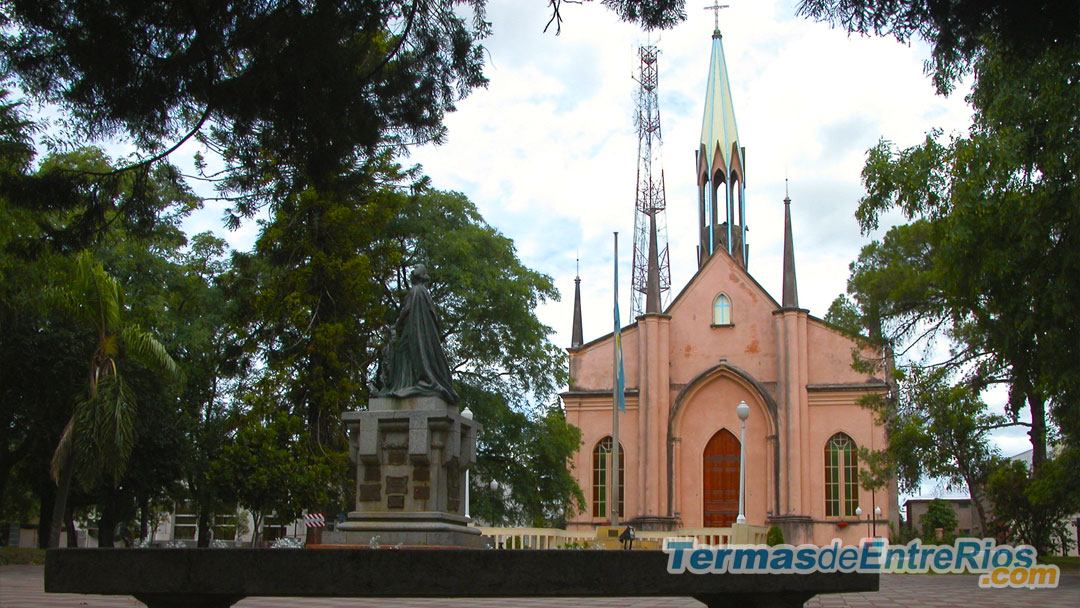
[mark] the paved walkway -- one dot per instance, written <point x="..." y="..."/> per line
<point x="21" y="587"/>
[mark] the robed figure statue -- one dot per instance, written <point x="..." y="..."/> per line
<point x="413" y="363"/>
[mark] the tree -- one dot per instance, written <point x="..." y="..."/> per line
<point x="271" y="469"/>
<point x="311" y="302"/>
<point x="939" y="515"/>
<point x="206" y="342"/>
<point x="1033" y="509"/>
<point x="940" y="430"/>
<point x="1003" y="199"/>
<point x="100" y="435"/>
<point x="956" y="30"/>
<point x="291" y="95"/>
<point x="650" y="14"/>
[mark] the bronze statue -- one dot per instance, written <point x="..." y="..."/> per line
<point x="414" y="363"/>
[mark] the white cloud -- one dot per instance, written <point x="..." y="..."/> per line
<point x="548" y="152"/>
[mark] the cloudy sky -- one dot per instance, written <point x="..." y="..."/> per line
<point x="548" y="151"/>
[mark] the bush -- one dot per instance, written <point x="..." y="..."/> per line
<point x="21" y="556"/>
<point x="774" y="537"/>
<point x="939" y="514"/>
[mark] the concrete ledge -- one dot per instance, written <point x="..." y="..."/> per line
<point x="220" y="577"/>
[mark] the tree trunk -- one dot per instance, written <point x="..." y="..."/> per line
<point x="1037" y="405"/>
<point x="144" y="518"/>
<point x="204" y="528"/>
<point x="8" y="462"/>
<point x="59" y="506"/>
<point x="256" y="526"/>
<point x="69" y="523"/>
<point x="976" y="499"/>
<point x="107" y="523"/>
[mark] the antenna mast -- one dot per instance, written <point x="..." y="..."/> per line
<point x="650" y="201"/>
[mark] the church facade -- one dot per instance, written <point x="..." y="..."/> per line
<point x="722" y="341"/>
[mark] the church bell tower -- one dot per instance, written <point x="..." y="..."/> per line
<point x="721" y="166"/>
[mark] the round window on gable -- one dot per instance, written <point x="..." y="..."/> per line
<point x="721" y="310"/>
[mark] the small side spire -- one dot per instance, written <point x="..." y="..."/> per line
<point x="791" y="290"/>
<point x="652" y="282"/>
<point x="576" y="334"/>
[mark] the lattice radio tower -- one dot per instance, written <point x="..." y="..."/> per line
<point x="650" y="203"/>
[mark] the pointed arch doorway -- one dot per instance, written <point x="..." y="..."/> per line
<point x="720" y="491"/>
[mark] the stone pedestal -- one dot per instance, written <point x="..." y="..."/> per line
<point x="411" y="455"/>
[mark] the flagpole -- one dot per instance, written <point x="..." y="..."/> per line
<point x="613" y="488"/>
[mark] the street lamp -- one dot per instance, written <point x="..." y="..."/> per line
<point x="877" y="516"/>
<point x="743" y="411"/>
<point x="858" y="514"/>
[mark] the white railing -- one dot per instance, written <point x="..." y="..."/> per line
<point x="538" y="538"/>
<point x="555" y="538"/>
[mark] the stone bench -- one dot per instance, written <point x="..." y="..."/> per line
<point x="204" y="578"/>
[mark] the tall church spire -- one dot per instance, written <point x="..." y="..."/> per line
<point x="791" y="290"/>
<point x="576" y="334"/>
<point x="721" y="160"/>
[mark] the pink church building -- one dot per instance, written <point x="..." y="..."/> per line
<point x="721" y="341"/>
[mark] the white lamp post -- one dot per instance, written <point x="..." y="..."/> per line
<point x="877" y="516"/>
<point x="466" y="414"/>
<point x="744" y="412"/>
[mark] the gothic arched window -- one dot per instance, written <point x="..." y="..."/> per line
<point x="601" y="458"/>
<point x="721" y="310"/>
<point x="841" y="477"/>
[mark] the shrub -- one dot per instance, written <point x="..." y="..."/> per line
<point x="774" y="537"/>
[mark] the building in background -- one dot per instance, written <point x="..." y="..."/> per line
<point x="721" y="341"/>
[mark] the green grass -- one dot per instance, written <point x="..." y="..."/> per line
<point x="13" y="556"/>
<point x="1067" y="565"/>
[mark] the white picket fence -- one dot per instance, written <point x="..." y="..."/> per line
<point x="555" y="538"/>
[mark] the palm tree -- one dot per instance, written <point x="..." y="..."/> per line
<point x="100" y="435"/>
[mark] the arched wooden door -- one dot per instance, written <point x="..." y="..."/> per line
<point x="721" y="488"/>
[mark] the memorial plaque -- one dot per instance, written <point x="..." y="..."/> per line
<point x="369" y="492"/>
<point x="421" y="474"/>
<point x="397" y="485"/>
<point x="395" y="440"/>
<point x="421" y="493"/>
<point x="395" y="502"/>
<point x="372" y="473"/>
<point x="395" y="457"/>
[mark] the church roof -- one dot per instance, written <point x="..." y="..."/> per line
<point x="718" y="130"/>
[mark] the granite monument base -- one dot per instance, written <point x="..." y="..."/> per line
<point x="410" y="530"/>
<point x="411" y="456"/>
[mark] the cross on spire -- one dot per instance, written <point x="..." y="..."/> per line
<point x="715" y="8"/>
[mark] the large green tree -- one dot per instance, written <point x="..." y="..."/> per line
<point x="1004" y="204"/>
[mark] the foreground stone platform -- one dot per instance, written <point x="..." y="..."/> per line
<point x="205" y="578"/>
